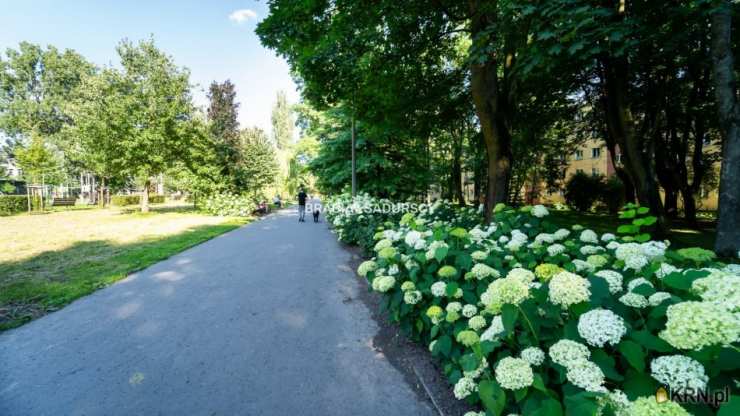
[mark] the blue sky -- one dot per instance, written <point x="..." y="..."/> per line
<point x="208" y="37"/>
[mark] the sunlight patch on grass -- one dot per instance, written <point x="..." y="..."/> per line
<point x="50" y="260"/>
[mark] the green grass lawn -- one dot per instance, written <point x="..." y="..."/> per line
<point x="680" y="234"/>
<point x="51" y="259"/>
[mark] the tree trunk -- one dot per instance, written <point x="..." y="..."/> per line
<point x="486" y="98"/>
<point x="457" y="184"/>
<point x="728" y="218"/>
<point x="637" y="148"/>
<point x="102" y="192"/>
<point x="145" y="196"/>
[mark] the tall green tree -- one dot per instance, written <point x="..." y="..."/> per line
<point x="282" y="122"/>
<point x="35" y="83"/>
<point x="259" y="161"/>
<point x="157" y="130"/>
<point x="223" y="111"/>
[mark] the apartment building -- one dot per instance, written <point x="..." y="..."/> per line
<point x="593" y="157"/>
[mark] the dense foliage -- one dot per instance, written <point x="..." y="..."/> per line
<point x="499" y="92"/>
<point x="13" y="204"/>
<point x="529" y="319"/>
<point x="229" y="205"/>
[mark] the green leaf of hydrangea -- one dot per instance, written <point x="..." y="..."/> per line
<point x="634" y="354"/>
<point x="440" y="253"/>
<point x="731" y="408"/>
<point x="492" y="396"/>
<point x="650" y="341"/>
<point x="509" y="315"/>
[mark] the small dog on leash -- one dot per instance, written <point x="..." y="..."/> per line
<point x="316" y="215"/>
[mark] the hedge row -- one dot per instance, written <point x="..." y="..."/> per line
<point x="122" y="200"/>
<point x="14" y="204"/>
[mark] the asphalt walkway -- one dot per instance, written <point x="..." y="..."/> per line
<point x="263" y="320"/>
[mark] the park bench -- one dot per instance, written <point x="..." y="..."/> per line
<point x="63" y="202"/>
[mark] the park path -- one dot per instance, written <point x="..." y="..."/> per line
<point x="263" y="320"/>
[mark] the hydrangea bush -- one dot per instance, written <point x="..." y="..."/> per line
<point x="529" y="319"/>
<point x="229" y="205"/>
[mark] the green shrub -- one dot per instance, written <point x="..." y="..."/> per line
<point x="229" y="205"/>
<point x="13" y="204"/>
<point x="529" y="319"/>
<point x="123" y="200"/>
<point x="582" y="190"/>
<point x="612" y="194"/>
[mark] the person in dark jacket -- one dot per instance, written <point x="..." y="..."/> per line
<point x="302" y="205"/>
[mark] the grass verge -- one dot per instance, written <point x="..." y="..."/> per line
<point x="680" y="234"/>
<point x="33" y="286"/>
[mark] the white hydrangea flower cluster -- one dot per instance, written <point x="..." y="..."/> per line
<point x="632" y="256"/>
<point x="695" y="325"/>
<point x="514" y="373"/>
<point x="482" y="271"/>
<point x="540" y="211"/>
<point x="567" y="289"/>
<point x="666" y="269"/>
<point x="383" y="283"/>
<point x="607" y="237"/>
<point x="589" y="249"/>
<point x="678" y="372"/>
<point x="567" y="352"/>
<point x="496" y="328"/>
<point x="453" y="307"/>
<point x="478" y="371"/>
<point x="507" y="290"/>
<point x="479" y="255"/>
<point x="384" y="243"/>
<point x="561" y="234"/>
<point x="477" y="323"/>
<point x="533" y="355"/>
<point x="582" y="266"/>
<point x="464" y="387"/>
<point x="580" y="371"/>
<point x="719" y="287"/>
<point x="658" y="297"/>
<point x="469" y="310"/>
<point x="412" y="297"/>
<point x="613" y="278"/>
<point x="555" y="249"/>
<point x="634" y="300"/>
<point x="601" y="326"/>
<point x="544" y="238"/>
<point x="589" y="236"/>
<point x="438" y="289"/>
<point x="433" y="246"/>
<point x="586" y="375"/>
<point x="366" y="267"/>
<point x="518" y="239"/>
<point x="637" y="282"/>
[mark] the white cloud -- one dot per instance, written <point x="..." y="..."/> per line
<point x="242" y="15"/>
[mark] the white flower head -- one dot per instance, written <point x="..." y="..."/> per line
<point x="514" y="373"/>
<point x="533" y="355"/>
<point x="613" y="278"/>
<point x="464" y="387"/>
<point x="601" y="326"/>
<point x="567" y="289"/>
<point x="678" y="372"/>
<point x="567" y="352"/>
<point x="438" y="289"/>
<point x="589" y="236"/>
<point x="586" y="375"/>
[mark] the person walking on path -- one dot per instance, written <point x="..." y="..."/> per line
<point x="302" y="205"/>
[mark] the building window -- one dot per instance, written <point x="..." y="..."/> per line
<point x="579" y="170"/>
<point x="595" y="171"/>
<point x="579" y="155"/>
<point x="596" y="153"/>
